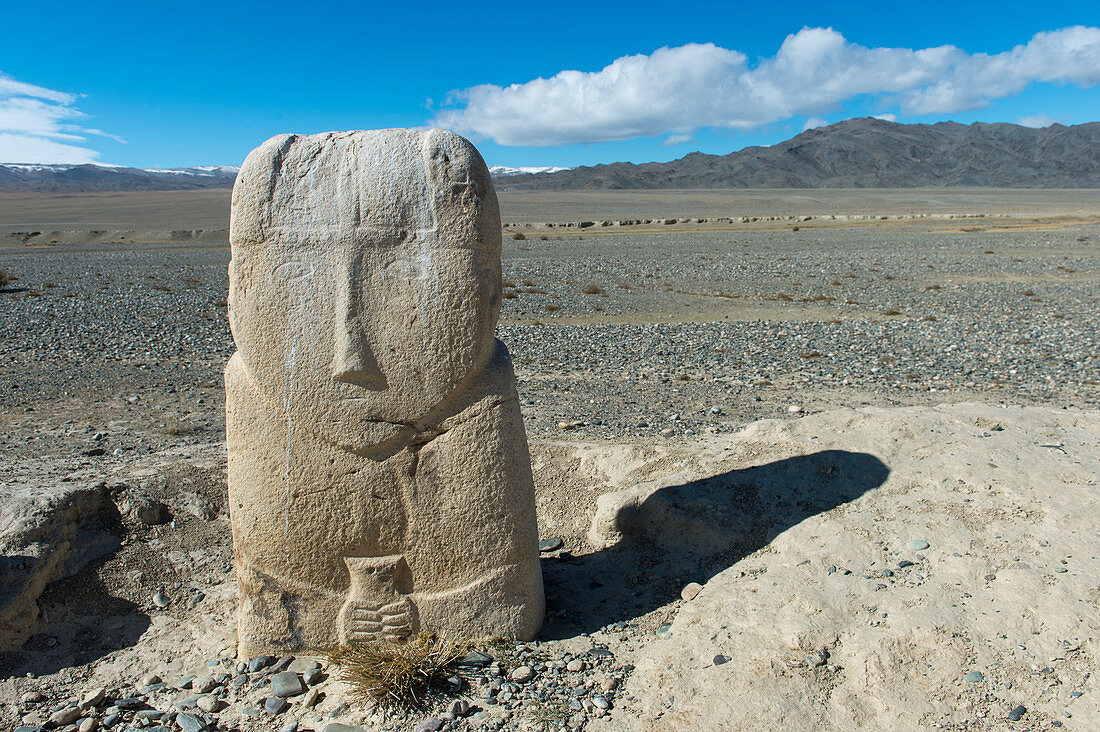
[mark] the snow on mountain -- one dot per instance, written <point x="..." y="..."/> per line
<point x="503" y="171"/>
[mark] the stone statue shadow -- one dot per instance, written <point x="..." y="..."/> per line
<point x="684" y="533"/>
<point x="80" y="620"/>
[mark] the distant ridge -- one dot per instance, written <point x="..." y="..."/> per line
<point x="42" y="178"/>
<point x="856" y="153"/>
<point x="866" y="153"/>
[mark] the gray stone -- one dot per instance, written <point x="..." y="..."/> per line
<point x="287" y="683"/>
<point x="260" y="662"/>
<point x="431" y="724"/>
<point x="338" y="727"/>
<point x="1017" y="713"/>
<point x="291" y="726"/>
<point x="68" y="715"/>
<point x="473" y="658"/>
<point x="129" y="702"/>
<point x="208" y="703"/>
<point x="601" y="702"/>
<point x="974" y="677"/>
<point x="551" y="545"/>
<point x="917" y="545"/>
<point x="313" y="676"/>
<point x="191" y="722"/>
<point x="274" y="705"/>
<point x="301" y="665"/>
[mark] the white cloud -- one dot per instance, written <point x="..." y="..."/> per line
<point x="814" y="122"/>
<point x="37" y="125"/>
<point x="677" y="138"/>
<point x="887" y="117"/>
<point x="689" y="87"/>
<point x="1036" y="120"/>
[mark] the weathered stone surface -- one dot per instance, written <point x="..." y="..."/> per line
<point x="47" y="532"/>
<point x="379" y="476"/>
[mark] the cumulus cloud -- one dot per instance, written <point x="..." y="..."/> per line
<point x="1037" y="120"/>
<point x="703" y="85"/>
<point x="38" y="125"/>
<point x="814" y="122"/>
<point x="677" y="138"/>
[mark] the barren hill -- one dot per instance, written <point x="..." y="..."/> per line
<point x="35" y="178"/>
<point x="867" y="153"/>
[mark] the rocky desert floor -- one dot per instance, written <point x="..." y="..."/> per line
<point x="816" y="459"/>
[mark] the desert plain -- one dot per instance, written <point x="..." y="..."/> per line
<point x="817" y="459"/>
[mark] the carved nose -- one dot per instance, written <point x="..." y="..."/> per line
<point x="353" y="361"/>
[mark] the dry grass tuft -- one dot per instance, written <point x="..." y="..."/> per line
<point x="593" y="289"/>
<point x="518" y="236"/>
<point x="5" y="278"/>
<point x="405" y="675"/>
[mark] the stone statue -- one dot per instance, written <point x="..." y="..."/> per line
<point x="379" y="476"/>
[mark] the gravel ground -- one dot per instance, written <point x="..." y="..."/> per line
<point x="679" y="332"/>
<point x="112" y="355"/>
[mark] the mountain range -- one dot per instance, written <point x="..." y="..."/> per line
<point x="856" y="153"/>
<point x="866" y="153"/>
<point x="42" y="178"/>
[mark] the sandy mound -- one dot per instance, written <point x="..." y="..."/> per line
<point x="816" y="606"/>
<point x="842" y="620"/>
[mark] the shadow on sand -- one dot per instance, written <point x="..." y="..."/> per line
<point x="691" y="532"/>
<point x="80" y="620"/>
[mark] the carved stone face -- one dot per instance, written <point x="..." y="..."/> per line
<point x="365" y="279"/>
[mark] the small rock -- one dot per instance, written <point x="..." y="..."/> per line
<point x="274" y="705"/>
<point x="974" y="677"/>
<point x="208" y="703"/>
<point x="431" y="724"/>
<point x="522" y="674"/>
<point x="204" y="685"/>
<point x="32" y="697"/>
<point x="609" y="684"/>
<point x="287" y="683"/>
<point x="149" y="680"/>
<point x="794" y="409"/>
<point x="129" y="703"/>
<point x="601" y="702"/>
<point x="161" y="600"/>
<point x="93" y="698"/>
<point x="575" y="665"/>
<point x="291" y="726"/>
<point x="312" y="696"/>
<point x="312" y="676"/>
<point x="337" y="727"/>
<point x="551" y="545"/>
<point x="917" y="545"/>
<point x="89" y="724"/>
<point x="186" y="681"/>
<point x="191" y="722"/>
<point x="302" y="665"/>
<point x="473" y="658"/>
<point x="668" y="432"/>
<point x="68" y="715"/>
<point x="260" y="662"/>
<point x="282" y="663"/>
<point x="1017" y="713"/>
<point x="459" y="707"/>
<point x="720" y="659"/>
<point x="691" y="590"/>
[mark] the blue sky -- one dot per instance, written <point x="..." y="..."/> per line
<point x="178" y="84"/>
